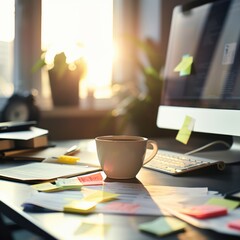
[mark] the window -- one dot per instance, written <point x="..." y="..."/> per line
<point x="85" y="22"/>
<point x="64" y="23"/>
<point x="67" y="23"/>
<point x="6" y="47"/>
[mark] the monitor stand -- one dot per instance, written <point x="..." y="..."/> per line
<point x="231" y="155"/>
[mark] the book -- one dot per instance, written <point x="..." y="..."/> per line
<point x="11" y="147"/>
<point x="6" y="144"/>
<point x="17" y="142"/>
<point x="36" y="142"/>
<point x="33" y="132"/>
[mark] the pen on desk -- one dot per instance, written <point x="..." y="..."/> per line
<point x="72" y="150"/>
<point x="67" y="158"/>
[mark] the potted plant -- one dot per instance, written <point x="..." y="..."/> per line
<point x="64" y="78"/>
<point x="138" y="109"/>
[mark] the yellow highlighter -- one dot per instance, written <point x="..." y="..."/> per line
<point x="67" y="159"/>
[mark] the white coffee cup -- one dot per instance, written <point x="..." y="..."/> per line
<point x="122" y="156"/>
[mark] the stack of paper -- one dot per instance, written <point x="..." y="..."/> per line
<point x="133" y="198"/>
<point x="137" y="199"/>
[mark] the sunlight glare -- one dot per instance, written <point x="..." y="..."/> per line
<point x="86" y="24"/>
<point x="7" y="18"/>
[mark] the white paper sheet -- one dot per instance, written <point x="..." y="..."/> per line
<point x="136" y="199"/>
<point x="133" y="198"/>
<point x="44" y="171"/>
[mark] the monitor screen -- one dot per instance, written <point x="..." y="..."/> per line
<point x="202" y="71"/>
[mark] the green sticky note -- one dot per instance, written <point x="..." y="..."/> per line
<point x="185" y="132"/>
<point x="229" y="204"/>
<point x="185" y="66"/>
<point x="163" y="226"/>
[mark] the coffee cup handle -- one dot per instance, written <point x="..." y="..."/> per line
<point x="153" y="151"/>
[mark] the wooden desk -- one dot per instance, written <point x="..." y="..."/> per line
<point x="57" y="225"/>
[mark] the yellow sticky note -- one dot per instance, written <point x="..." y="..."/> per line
<point x="163" y="226"/>
<point x="49" y="187"/>
<point x="229" y="204"/>
<point x="45" y="187"/>
<point x="185" y="132"/>
<point x="80" y="206"/>
<point x="186" y="72"/>
<point x="100" y="196"/>
<point x="185" y="66"/>
<point x="67" y="159"/>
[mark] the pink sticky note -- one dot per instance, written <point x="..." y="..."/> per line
<point x="91" y="179"/>
<point x="235" y="224"/>
<point x="205" y="211"/>
<point x="122" y="207"/>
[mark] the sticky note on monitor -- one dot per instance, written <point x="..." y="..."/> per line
<point x="185" y="131"/>
<point x="185" y="66"/>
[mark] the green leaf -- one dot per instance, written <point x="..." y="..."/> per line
<point x="38" y="65"/>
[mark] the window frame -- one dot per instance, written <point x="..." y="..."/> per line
<point x="27" y="45"/>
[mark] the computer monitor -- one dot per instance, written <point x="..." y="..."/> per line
<point x="207" y="34"/>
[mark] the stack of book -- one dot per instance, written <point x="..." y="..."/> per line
<point x="14" y="140"/>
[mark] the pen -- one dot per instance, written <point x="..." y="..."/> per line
<point x="72" y="150"/>
<point x="66" y="158"/>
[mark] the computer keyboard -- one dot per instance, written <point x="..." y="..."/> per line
<point x="175" y="163"/>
